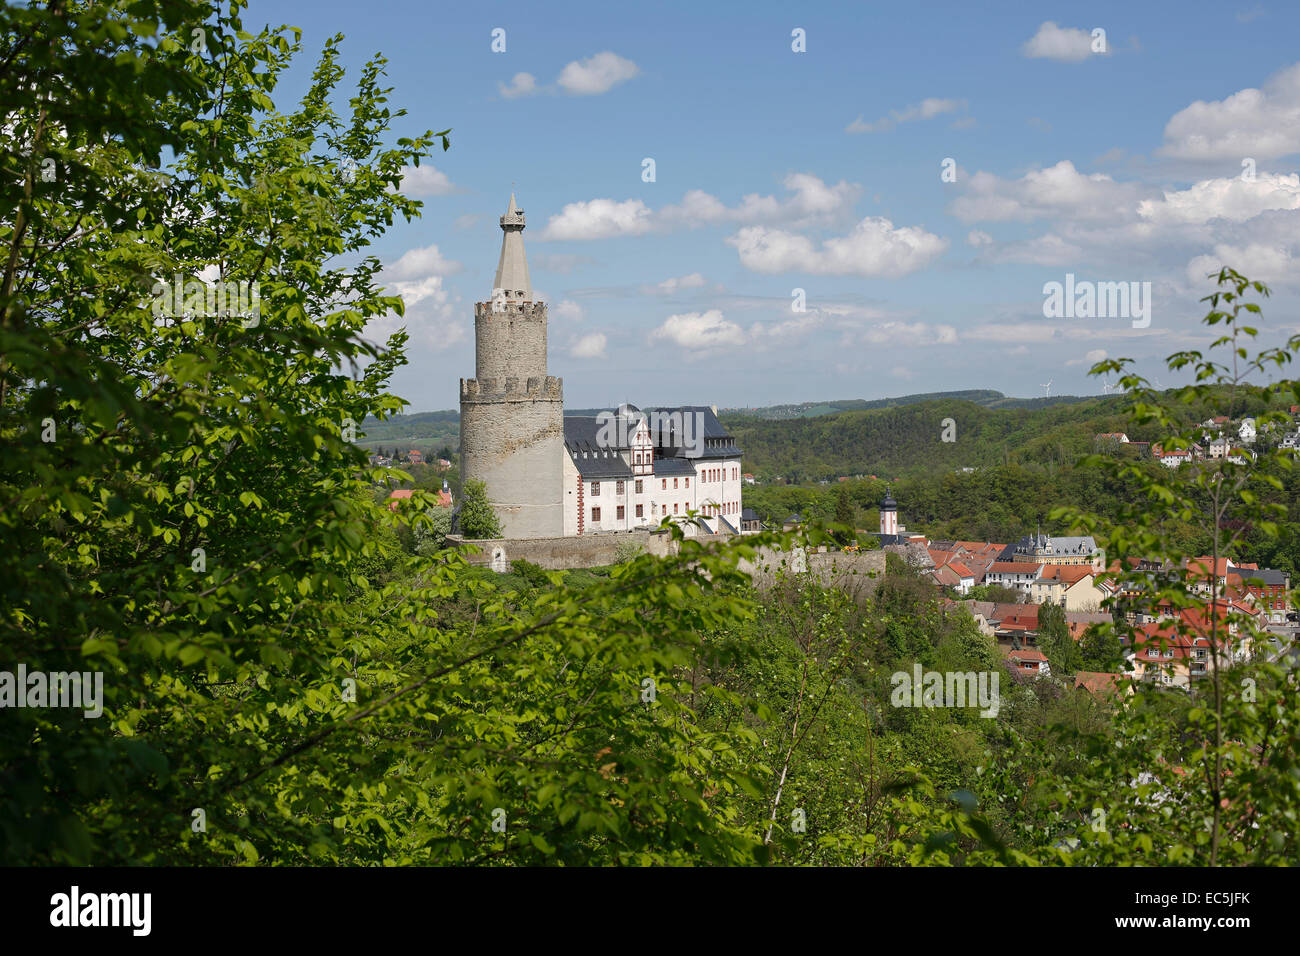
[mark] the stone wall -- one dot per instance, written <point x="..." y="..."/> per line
<point x="856" y="574"/>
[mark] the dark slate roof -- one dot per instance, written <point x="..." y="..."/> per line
<point x="718" y="442"/>
<point x="748" y="514"/>
<point x="1267" y="575"/>
<point x="602" y="467"/>
<point x="673" y="466"/>
<point x="580" y="434"/>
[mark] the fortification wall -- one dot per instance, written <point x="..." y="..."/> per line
<point x="857" y="575"/>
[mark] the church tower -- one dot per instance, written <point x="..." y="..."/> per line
<point x="512" y="412"/>
<point x="889" y="514"/>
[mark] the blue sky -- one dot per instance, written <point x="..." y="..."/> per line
<point x="778" y="170"/>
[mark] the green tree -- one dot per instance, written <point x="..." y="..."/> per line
<point x="477" y="519"/>
<point x="1054" y="638"/>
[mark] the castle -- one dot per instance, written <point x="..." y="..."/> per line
<point x="548" y="475"/>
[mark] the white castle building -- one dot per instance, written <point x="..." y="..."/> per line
<point x="631" y="469"/>
<point x="548" y="474"/>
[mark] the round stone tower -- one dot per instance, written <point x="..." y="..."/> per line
<point x="512" y="412"/>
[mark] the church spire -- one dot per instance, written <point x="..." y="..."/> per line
<point x="511" y="281"/>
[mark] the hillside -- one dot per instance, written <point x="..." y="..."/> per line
<point x="984" y="397"/>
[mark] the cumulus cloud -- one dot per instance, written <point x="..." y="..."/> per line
<point x="568" y="309"/>
<point x="1055" y="191"/>
<point x="596" y="74"/>
<point x="1266" y="263"/>
<point x="875" y="247"/>
<point x="1065" y="44"/>
<point x="589" y="346"/>
<point x="701" y="330"/>
<point x="521" y="84"/>
<point x="924" y="110"/>
<point x="599" y="219"/>
<point x="426" y="181"/>
<point x="419" y="263"/>
<point x="1234" y="199"/>
<point x="1262" y="124"/>
<point x="977" y="238"/>
<point x="812" y="203"/>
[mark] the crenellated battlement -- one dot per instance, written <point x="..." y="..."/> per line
<point x="534" y="389"/>
<point x="510" y="308"/>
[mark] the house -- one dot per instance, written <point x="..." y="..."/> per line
<point x="1019" y="575"/>
<point x="1072" y="586"/>
<point x="400" y="495"/>
<point x="415" y="457"/>
<point x="1099" y="683"/>
<point x="443" y="464"/>
<point x="1246" y="431"/>
<point x="749" y="522"/>
<point x="1268" y="587"/>
<point x="747" y="478"/>
<point x="1028" y="661"/>
<point x="1218" y="448"/>
<point x="1116" y="437"/>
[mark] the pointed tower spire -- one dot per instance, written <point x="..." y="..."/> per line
<point x="511" y="283"/>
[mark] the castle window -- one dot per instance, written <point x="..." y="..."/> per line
<point x="618" y="489"/>
<point x="595" y="514"/>
<point x="674" y="507"/>
<point x="665" y="487"/>
<point x="619" y="513"/>
<point x="640" y="511"/>
<point x="638" y="488"/>
<point x="595" y="488"/>
<point x="674" y="482"/>
<point x="688" y="482"/>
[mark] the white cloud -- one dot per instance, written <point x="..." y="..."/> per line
<point x="1264" y="263"/>
<point x="908" y="334"/>
<point x="1066" y="44"/>
<point x="875" y="247"/>
<point x="701" y="330"/>
<point x="568" y="309"/>
<point x="589" y="346"/>
<point x="675" y="285"/>
<point x="1262" y="124"/>
<point x="926" y="109"/>
<point x="419" y="263"/>
<point x="596" y="74"/>
<point x="813" y="202"/>
<point x="1090" y="358"/>
<point x="977" y="238"/>
<point x="521" y="84"/>
<point x="599" y="219"/>
<point x="1057" y="190"/>
<point x="1235" y="199"/>
<point x="426" y="181"/>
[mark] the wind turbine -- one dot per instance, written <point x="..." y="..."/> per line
<point x="1106" y="387"/>
<point x="1047" y="389"/>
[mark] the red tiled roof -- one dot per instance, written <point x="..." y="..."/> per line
<point x="1012" y="567"/>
